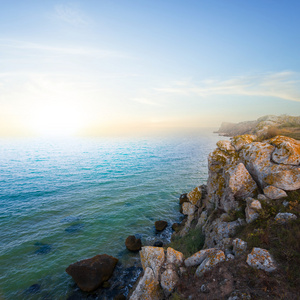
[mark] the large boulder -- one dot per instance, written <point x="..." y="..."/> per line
<point x="261" y="259"/>
<point x="225" y="146"/>
<point x="90" y="273"/>
<point x="133" y="244"/>
<point x="152" y="257"/>
<point x="240" y="141"/>
<point x="257" y="159"/>
<point x="148" y="287"/>
<point x="287" y="150"/>
<point x="198" y="257"/>
<point x="240" y="181"/>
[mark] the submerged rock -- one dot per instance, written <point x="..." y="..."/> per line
<point x="90" y="273"/>
<point x="133" y="244"/>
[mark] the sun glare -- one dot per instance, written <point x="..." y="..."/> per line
<point x="58" y="120"/>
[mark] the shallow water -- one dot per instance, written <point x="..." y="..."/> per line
<point x="66" y="200"/>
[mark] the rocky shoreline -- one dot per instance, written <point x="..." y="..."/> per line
<point x="252" y="195"/>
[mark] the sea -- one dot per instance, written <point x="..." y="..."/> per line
<point x="67" y="199"/>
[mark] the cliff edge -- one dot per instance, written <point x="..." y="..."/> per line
<point x="240" y="238"/>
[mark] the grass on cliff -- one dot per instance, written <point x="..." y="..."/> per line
<point x="282" y="240"/>
<point x="192" y="242"/>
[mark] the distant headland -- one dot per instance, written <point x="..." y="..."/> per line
<point x="265" y="127"/>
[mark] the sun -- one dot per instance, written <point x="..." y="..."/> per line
<point x="56" y="120"/>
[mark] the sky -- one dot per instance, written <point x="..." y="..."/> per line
<point x="99" y="67"/>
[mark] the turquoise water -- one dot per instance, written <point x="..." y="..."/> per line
<point x="66" y="200"/>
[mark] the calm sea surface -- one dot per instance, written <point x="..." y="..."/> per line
<point x="65" y="200"/>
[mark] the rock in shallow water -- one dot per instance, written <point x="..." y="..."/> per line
<point x="160" y="225"/>
<point x="133" y="244"/>
<point x="90" y="273"/>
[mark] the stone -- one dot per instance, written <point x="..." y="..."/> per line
<point x="152" y="257"/>
<point x="283" y="218"/>
<point x="210" y="261"/>
<point x="174" y="257"/>
<point x="257" y="159"/>
<point x="287" y="150"/>
<point x="90" y="273"/>
<point x="195" y="196"/>
<point x="183" y="198"/>
<point x="230" y="257"/>
<point x="202" y="219"/>
<point x="148" y="287"/>
<point x="274" y="193"/>
<point x="176" y="227"/>
<point x="160" y="225"/>
<point x="240" y="181"/>
<point x="239" y="141"/>
<point x="239" y="246"/>
<point x="188" y="208"/>
<point x="133" y="244"/>
<point x="261" y="259"/>
<point x="169" y="279"/>
<point x="198" y="257"/>
<point x="218" y="230"/>
<point x="253" y="206"/>
<point x="225" y="146"/>
<point x="158" y="244"/>
<point x="239" y="295"/>
<point x="262" y="197"/>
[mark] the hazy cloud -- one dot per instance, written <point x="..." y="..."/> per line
<point x="284" y="85"/>
<point x="71" y="14"/>
<point x="146" y="102"/>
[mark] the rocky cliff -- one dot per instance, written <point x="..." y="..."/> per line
<point x="264" y="126"/>
<point x="248" y="216"/>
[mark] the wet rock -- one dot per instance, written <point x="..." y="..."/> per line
<point x="195" y="196"/>
<point x="158" y="244"/>
<point x="160" y="225"/>
<point x="152" y="257"/>
<point x="176" y="227"/>
<point x="174" y="257"/>
<point x="239" y="246"/>
<point x="90" y="273"/>
<point x="169" y="279"/>
<point x="274" y="193"/>
<point x="261" y="259"/>
<point x="213" y="258"/>
<point x="183" y="198"/>
<point x="147" y="288"/>
<point x="133" y="244"/>
<point x="283" y="218"/>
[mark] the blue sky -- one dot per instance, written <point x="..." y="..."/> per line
<point x="118" y="67"/>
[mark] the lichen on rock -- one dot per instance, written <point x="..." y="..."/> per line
<point x="261" y="259"/>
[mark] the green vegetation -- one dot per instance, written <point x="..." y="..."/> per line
<point x="192" y="242"/>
